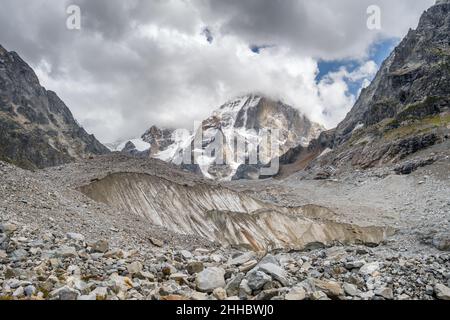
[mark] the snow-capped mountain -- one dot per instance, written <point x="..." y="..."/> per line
<point x="235" y="142"/>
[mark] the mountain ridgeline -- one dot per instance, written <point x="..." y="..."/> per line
<point x="37" y="129"/>
<point x="403" y="111"/>
<point x="244" y="118"/>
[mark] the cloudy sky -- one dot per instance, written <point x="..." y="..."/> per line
<point x="135" y="63"/>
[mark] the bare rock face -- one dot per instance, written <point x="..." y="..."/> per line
<point x="242" y="119"/>
<point x="159" y="139"/>
<point x="248" y="117"/>
<point x="414" y="82"/>
<point x="406" y="108"/>
<point x="36" y="127"/>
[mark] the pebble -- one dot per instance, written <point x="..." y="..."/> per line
<point x="194" y="267"/>
<point x="52" y="266"/>
<point x="442" y="292"/>
<point x="101" y="246"/>
<point x="296" y="294"/>
<point x="369" y="268"/>
<point x="350" y="289"/>
<point x="257" y="279"/>
<point x="210" y="279"/>
<point x="75" y="236"/>
<point x="135" y="267"/>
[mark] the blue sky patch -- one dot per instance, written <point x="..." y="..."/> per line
<point x="378" y="52"/>
<point x="257" y="48"/>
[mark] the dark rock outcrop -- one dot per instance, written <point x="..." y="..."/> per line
<point x="37" y="129"/>
<point x="413" y="82"/>
<point x="405" y="109"/>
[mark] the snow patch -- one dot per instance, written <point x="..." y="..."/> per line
<point x="140" y="145"/>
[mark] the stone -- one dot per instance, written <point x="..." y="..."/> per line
<point x="97" y="256"/>
<point x="305" y="267"/>
<point x="442" y="292"/>
<point x="217" y="258"/>
<point x="13" y="283"/>
<point x="257" y="279"/>
<point x="8" y="228"/>
<point x="145" y="275"/>
<point x="168" y="269"/>
<point x="180" y="278"/>
<point x="75" y="236"/>
<point x="242" y="259"/>
<point x="384" y="292"/>
<point x="266" y="295"/>
<point x="232" y="287"/>
<point x="174" y="297"/>
<point x="404" y="297"/>
<point x="244" y="289"/>
<point x="115" y="253"/>
<point x="367" y="295"/>
<point x="275" y="271"/>
<point x="210" y="279"/>
<point x="19" y="255"/>
<point x="18" y="292"/>
<point x="65" y="293"/>
<point x="442" y="242"/>
<point x="3" y="254"/>
<point x="89" y="297"/>
<point x="55" y="263"/>
<point x="186" y="254"/>
<point x="220" y="294"/>
<point x="249" y="265"/>
<point x="10" y="273"/>
<point x="100" y="293"/>
<point x="370" y="268"/>
<point x="168" y="288"/>
<point x="157" y="242"/>
<point x="30" y="290"/>
<point x="101" y="246"/>
<point x="269" y="259"/>
<point x="354" y="264"/>
<point x="350" y="289"/>
<point x="80" y="285"/>
<point x="319" y="295"/>
<point x="198" y="296"/>
<point x="134" y="267"/>
<point x="74" y="270"/>
<point x="119" y="283"/>
<point x="330" y="288"/>
<point x="201" y="252"/>
<point x="296" y="294"/>
<point x="66" y="252"/>
<point x="194" y="267"/>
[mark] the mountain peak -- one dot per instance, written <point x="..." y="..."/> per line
<point x="438" y="2"/>
<point x="38" y="130"/>
<point x="406" y="107"/>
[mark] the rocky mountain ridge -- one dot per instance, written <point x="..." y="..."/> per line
<point x="36" y="127"/>
<point x="404" y="110"/>
<point x="245" y="118"/>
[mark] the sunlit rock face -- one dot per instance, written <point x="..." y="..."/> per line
<point x="239" y="138"/>
<point x="405" y="109"/>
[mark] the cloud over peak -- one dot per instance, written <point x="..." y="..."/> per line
<point x="142" y="62"/>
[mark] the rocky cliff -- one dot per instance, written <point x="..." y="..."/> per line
<point x="248" y="119"/>
<point x="404" y="110"/>
<point x="37" y="129"/>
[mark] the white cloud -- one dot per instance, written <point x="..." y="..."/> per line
<point x="143" y="62"/>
